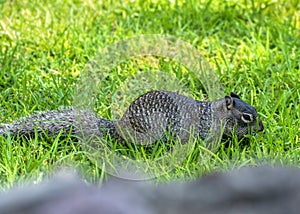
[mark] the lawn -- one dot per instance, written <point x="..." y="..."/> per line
<point x="251" y="46"/>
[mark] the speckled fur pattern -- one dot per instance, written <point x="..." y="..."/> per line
<point x="157" y="114"/>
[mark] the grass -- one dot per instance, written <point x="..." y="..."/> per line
<point x="253" y="47"/>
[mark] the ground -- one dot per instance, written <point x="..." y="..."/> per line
<point x="45" y="45"/>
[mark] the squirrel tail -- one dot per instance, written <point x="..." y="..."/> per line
<point x="68" y="121"/>
<point x="5" y="129"/>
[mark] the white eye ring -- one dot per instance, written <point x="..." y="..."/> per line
<point x="247" y="118"/>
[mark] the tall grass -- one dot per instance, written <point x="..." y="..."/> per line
<point x="252" y="45"/>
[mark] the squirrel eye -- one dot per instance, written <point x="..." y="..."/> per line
<point x="247" y="118"/>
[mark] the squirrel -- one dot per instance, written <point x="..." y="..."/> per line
<point x="151" y="117"/>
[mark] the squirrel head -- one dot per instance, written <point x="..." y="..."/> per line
<point x="236" y="116"/>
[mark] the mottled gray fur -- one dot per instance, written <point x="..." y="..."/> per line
<point x="151" y="117"/>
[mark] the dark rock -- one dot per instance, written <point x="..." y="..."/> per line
<point x="255" y="190"/>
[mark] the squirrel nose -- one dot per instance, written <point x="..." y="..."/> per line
<point x="261" y="126"/>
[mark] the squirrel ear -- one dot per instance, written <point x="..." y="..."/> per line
<point x="234" y="95"/>
<point x="229" y="102"/>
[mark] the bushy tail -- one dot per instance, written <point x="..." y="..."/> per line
<point x="75" y="122"/>
<point x="5" y="129"/>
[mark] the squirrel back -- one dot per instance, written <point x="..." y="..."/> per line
<point x="156" y="114"/>
<point x="151" y="117"/>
